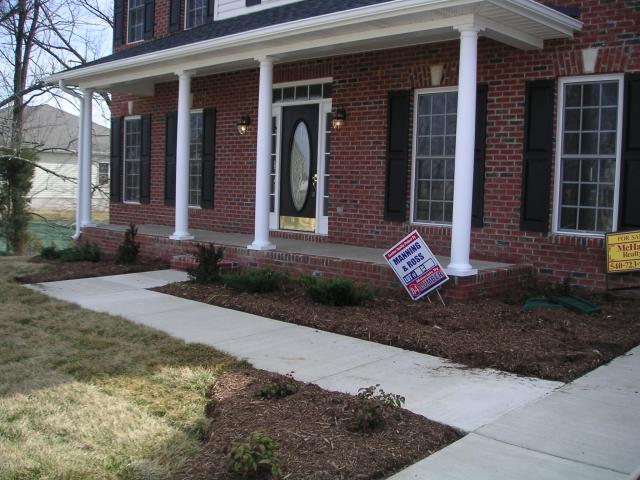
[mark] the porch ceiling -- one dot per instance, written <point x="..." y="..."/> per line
<point x="524" y="24"/>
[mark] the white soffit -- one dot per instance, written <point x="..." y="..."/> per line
<point x="523" y="24"/>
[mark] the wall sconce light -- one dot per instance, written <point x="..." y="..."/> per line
<point x="436" y="73"/>
<point x="338" y="119"/>
<point x="243" y="125"/>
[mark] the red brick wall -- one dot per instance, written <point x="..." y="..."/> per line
<point x="361" y="85"/>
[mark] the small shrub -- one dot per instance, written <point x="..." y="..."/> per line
<point x="86" y="252"/>
<point x="282" y="387"/>
<point x="255" y="281"/>
<point x="371" y="407"/>
<point x="257" y="456"/>
<point x="208" y="268"/>
<point x="128" y="252"/>
<point x="336" y="292"/>
<point x="50" y="252"/>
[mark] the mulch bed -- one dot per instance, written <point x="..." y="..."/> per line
<point x="57" y="270"/>
<point x="312" y="430"/>
<point x="550" y="344"/>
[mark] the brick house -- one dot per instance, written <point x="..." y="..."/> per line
<point x="502" y="130"/>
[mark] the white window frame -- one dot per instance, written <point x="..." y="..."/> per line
<point x="417" y="93"/>
<point x="187" y="3"/>
<point x="129" y="41"/>
<point x="619" y="77"/>
<point x="191" y="112"/>
<point x="98" y="165"/>
<point x="124" y="159"/>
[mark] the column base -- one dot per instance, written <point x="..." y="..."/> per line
<point x="261" y="246"/>
<point x="181" y="236"/>
<point x="87" y="225"/>
<point x="460" y="270"/>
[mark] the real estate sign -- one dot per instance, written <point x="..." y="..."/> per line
<point x="623" y="252"/>
<point x="417" y="268"/>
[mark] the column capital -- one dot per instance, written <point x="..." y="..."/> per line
<point x="185" y="73"/>
<point x="265" y="59"/>
<point x="471" y="28"/>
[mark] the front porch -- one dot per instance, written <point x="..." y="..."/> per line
<point x="360" y="264"/>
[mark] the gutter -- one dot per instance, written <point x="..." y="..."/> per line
<point x="67" y="90"/>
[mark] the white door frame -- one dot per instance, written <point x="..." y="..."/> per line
<point x="325" y="106"/>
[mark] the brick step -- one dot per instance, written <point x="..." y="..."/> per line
<point x="188" y="261"/>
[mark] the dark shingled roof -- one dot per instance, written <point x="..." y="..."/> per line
<point x="243" y="23"/>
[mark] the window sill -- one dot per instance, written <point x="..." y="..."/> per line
<point x="195" y="207"/>
<point x="429" y="224"/>
<point x="129" y="202"/>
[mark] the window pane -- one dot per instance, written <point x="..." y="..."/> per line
<point x="587" y="219"/>
<point x="435" y="151"/>
<point x="573" y="94"/>
<point x="132" y="148"/>
<point x="589" y="131"/>
<point x="195" y="160"/>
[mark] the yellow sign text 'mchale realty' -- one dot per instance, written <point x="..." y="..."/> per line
<point x="623" y="252"/>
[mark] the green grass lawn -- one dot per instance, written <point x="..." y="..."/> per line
<point x="85" y="395"/>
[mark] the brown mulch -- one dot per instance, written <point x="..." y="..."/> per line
<point x="312" y="430"/>
<point x="550" y="344"/>
<point x="56" y="270"/>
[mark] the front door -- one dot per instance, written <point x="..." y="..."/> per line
<point x="298" y="168"/>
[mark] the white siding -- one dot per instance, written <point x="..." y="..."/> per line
<point x="50" y="192"/>
<point x="234" y="8"/>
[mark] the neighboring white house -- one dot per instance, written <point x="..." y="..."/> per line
<point x="54" y="133"/>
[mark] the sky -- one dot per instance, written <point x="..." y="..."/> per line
<point x="103" y="37"/>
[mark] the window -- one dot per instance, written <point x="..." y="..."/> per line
<point x="196" y="13"/>
<point x="195" y="160"/>
<point x="588" y="155"/>
<point x="434" y="156"/>
<point x="103" y="173"/>
<point x="136" y="21"/>
<point x="251" y="3"/>
<point x="132" y="150"/>
<point x="302" y="92"/>
<point x="274" y="159"/>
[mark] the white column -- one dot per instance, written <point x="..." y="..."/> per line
<point x="79" y="172"/>
<point x="263" y="158"/>
<point x="465" y="144"/>
<point x="182" y="158"/>
<point x="86" y="147"/>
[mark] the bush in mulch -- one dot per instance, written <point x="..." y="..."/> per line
<point x="278" y="388"/>
<point x="130" y="249"/>
<point x="255" y="281"/>
<point x="337" y="291"/>
<point x="313" y="431"/>
<point x="258" y="455"/>
<point x="372" y="408"/>
<point x="207" y="269"/>
<point x="85" y="252"/>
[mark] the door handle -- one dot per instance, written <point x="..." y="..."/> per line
<point x="314" y="180"/>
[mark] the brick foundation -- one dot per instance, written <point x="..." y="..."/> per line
<point x="486" y="283"/>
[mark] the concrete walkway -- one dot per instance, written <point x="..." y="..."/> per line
<point x="520" y="428"/>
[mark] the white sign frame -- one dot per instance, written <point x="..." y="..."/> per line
<point x="416" y="266"/>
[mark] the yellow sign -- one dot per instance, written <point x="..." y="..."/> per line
<point x="623" y="252"/>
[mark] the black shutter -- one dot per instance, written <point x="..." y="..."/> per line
<point x="210" y="8"/>
<point x="537" y="156"/>
<point x="629" y="216"/>
<point x="116" y="160"/>
<point x="395" y="200"/>
<point x="170" y="140"/>
<point x="251" y="3"/>
<point x="208" y="156"/>
<point x="477" y="207"/>
<point x="145" y="159"/>
<point x="174" y="15"/>
<point x="149" y="18"/>
<point x="118" y="22"/>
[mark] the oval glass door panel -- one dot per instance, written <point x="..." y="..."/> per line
<point x="300" y="165"/>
